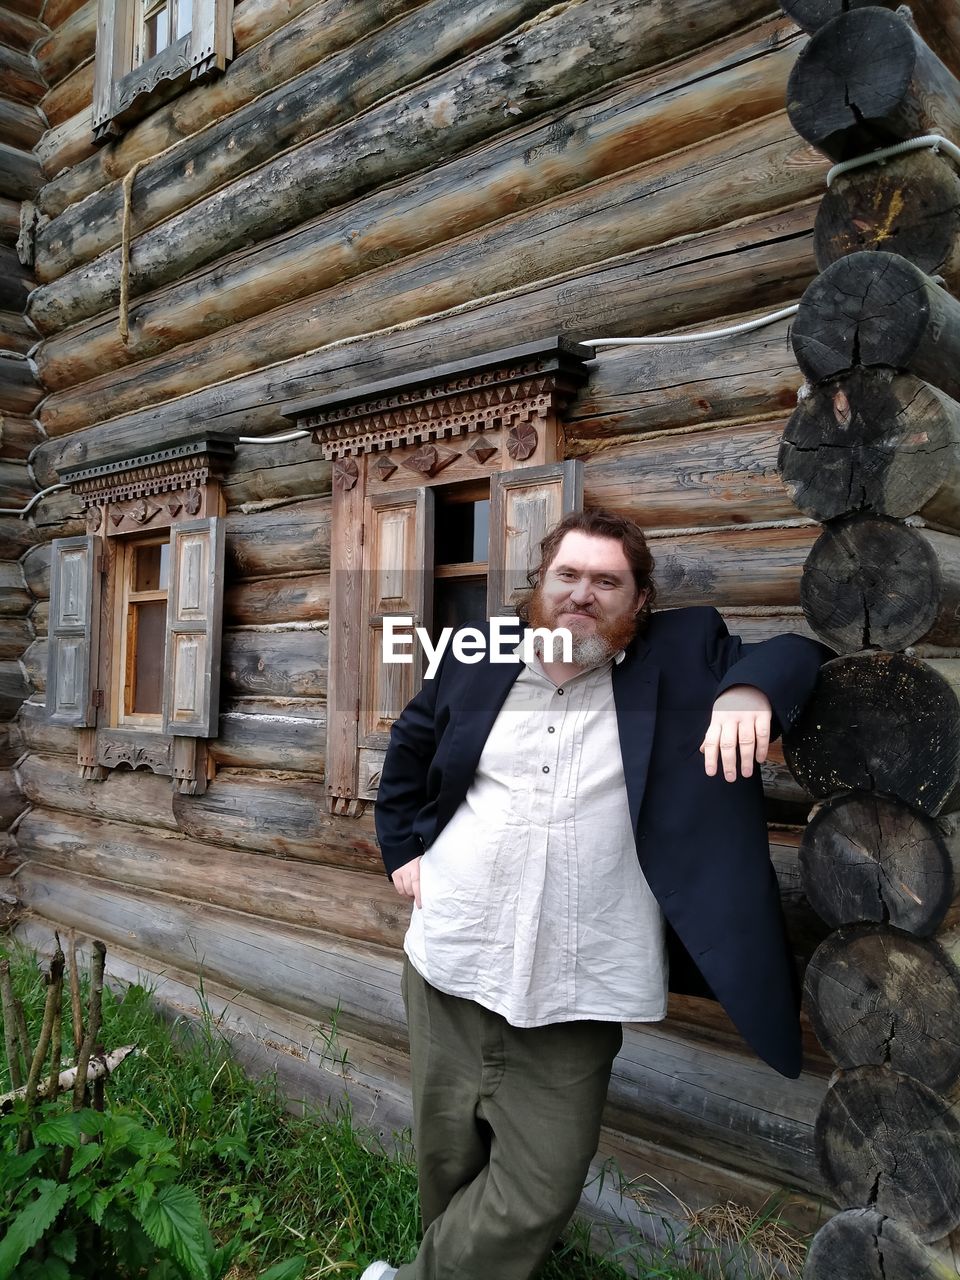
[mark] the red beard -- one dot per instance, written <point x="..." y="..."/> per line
<point x="616" y="633"/>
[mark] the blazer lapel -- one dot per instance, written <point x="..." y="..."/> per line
<point x="635" y="683"/>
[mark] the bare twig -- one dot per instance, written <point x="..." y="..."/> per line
<point x="93" y="1026"/>
<point x="76" y="1006"/>
<point x="98" y="1067"/>
<point x="52" y="1012"/>
<point x="56" y="1040"/>
<point x="10" y="1025"/>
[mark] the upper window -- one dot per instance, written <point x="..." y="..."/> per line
<point x="148" y="50"/>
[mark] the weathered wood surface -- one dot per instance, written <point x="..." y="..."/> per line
<point x="910" y="205"/>
<point x="36" y="570"/>
<point x="13" y="688"/>
<point x="564" y="53"/>
<point x="18" y="436"/>
<point x="16" y="334"/>
<point x="762" y="622"/>
<point x="870" y="581"/>
<point x="16" y="485"/>
<point x="68" y="44"/>
<point x="33" y="660"/>
<point x="282" y="734"/>
<point x="730" y="1105"/>
<point x="40" y="617"/>
<point x="20" y="174"/>
<point x="19" y="31"/>
<point x="67" y="144"/>
<point x="875" y="308"/>
<point x="743" y="567"/>
<point x="887" y="1142"/>
<point x="12" y="803"/>
<point x="56" y="12"/>
<point x="289" y="891"/>
<point x="53" y="782"/>
<point x="636" y="390"/>
<point x="15" y="599"/>
<point x="287" y="539"/>
<point x="72" y="95"/>
<point x="15" y="635"/>
<point x="58" y="515"/>
<point x="805" y="930"/>
<point x="285" y="816"/>
<point x="275" y="663"/>
<point x="876" y="441"/>
<point x="15" y="282"/>
<point x="907" y="743"/>
<point x="16" y="535"/>
<point x="763" y="262"/>
<point x="877" y="997"/>
<point x="263" y="473"/>
<point x="736" y="80"/>
<point x="320" y="33"/>
<point x="867" y="79"/>
<point x="747" y="171"/>
<point x="9" y="220"/>
<point x="19" y="392"/>
<point x="721" y="475"/>
<point x="866" y="857"/>
<point x="20" y="77"/>
<point x="20" y="125"/>
<point x="264" y="601"/>
<point x="37" y="735"/>
<point x="862" y="1244"/>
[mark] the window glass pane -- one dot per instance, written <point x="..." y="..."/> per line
<point x="184" y="17"/>
<point x="481" y="530"/>
<point x="148" y="566"/>
<point x="157" y="34"/>
<point x="457" y="601"/>
<point x="147" y="634"/>
<point x="462" y="530"/>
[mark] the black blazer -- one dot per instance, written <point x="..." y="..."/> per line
<point x="702" y="842"/>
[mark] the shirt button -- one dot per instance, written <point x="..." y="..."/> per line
<point x="546" y="768"/>
<point x="551" y="729"/>
<point x="559" y="693"/>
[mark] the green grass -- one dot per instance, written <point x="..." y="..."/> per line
<point x="285" y="1185"/>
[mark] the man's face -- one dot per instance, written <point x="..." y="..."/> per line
<point x="589" y="588"/>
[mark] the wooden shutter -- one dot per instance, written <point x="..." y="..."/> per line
<point x="524" y="505"/>
<point x="74" y="630"/>
<point x="191" y="686"/>
<point x="211" y="39"/>
<point x="397" y="581"/>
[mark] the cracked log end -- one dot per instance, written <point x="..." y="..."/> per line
<point x="862" y="1244"/>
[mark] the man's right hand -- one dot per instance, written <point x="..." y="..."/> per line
<point x="406" y="880"/>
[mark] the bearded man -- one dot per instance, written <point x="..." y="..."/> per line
<point x="572" y="834"/>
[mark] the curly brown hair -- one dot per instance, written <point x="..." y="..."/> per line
<point x="600" y="523"/>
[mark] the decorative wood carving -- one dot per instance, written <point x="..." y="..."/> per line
<point x="482" y="450"/>
<point x="190" y="464"/>
<point x="192" y="502"/>
<point x="383" y="468"/>
<point x="94" y="519"/>
<point x="346" y="473"/>
<point x="118" y="748"/>
<point x="522" y="440"/>
<point x="429" y="460"/>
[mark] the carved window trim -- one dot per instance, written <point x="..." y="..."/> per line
<point x="126" y="87"/>
<point x="177" y="491"/>
<point x="470" y="420"/>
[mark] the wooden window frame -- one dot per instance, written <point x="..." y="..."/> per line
<point x="171" y="496"/>
<point x="470" y="422"/>
<point x="125" y="598"/>
<point x="127" y="86"/>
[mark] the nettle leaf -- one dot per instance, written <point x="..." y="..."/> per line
<point x="172" y="1219"/>
<point x="64" y="1245"/>
<point x="16" y="1168"/>
<point x="84" y="1157"/>
<point x="289" y="1269"/>
<point x="31" y="1223"/>
<point x="98" y="1204"/>
<point x="62" y="1130"/>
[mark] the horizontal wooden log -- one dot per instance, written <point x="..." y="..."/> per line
<point x="563" y="54"/>
<point x="866" y="857"/>
<point x="887" y="1142"/>
<point x="751" y="169"/>
<point x="721" y="475"/>
<point x="289" y="539"/>
<point x="53" y="782"/>
<point x="16" y="535"/>
<point x="763" y="261"/>
<point x="15" y="282"/>
<point x="33" y="661"/>
<point x="10" y="752"/>
<point x="267" y="473"/>
<point x="12" y="802"/>
<point x="728" y="1104"/>
<point x="67" y="144"/>
<point x="16" y="484"/>
<point x="877" y="997"/>
<point x="19" y="31"/>
<point x="292" y="48"/>
<point x="862" y="1244"/>
<point x="9" y="220"/>
<point x="867" y="79"/>
<point x="16" y="334"/>
<point x="21" y="126"/>
<point x="20" y="173"/>
<point x="37" y="735"/>
<point x="18" y="436"/>
<point x="68" y="44"/>
<point x="726" y="569"/>
<point x="878" y="309"/>
<point x="16" y="634"/>
<point x="870" y="581"/>
<point x="275" y="663"/>
<point x="283" y="734"/>
<point x="910" y="205"/>
<point x="565" y="235"/>
<point x="805" y="930"/>
<point x="13" y="689"/>
<point x="365" y="907"/>
<point x="36" y="570"/>
<point x="907" y="740"/>
<point x="59" y="515"/>
<point x="264" y="601"/>
<point x="21" y="79"/>
<point x="15" y="599"/>
<point x="872" y="440"/>
<point x="284" y="816"/>
<point x="19" y="392"/>
<point x="40" y="617"/>
<point x="73" y="94"/>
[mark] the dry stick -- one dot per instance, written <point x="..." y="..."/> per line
<point x="93" y="1026"/>
<point x="76" y="1005"/>
<point x="52" y="1012"/>
<point x="56" y="1042"/>
<point x="10" y="1026"/>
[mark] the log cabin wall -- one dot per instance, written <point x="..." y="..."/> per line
<point x="22" y="125"/>
<point x="369" y="189"/>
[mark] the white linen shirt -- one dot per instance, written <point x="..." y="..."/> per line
<point x="533" y="901"/>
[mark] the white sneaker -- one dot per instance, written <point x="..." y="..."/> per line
<point x="379" y="1271"/>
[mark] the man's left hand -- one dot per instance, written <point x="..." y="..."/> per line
<point x="740" y="721"/>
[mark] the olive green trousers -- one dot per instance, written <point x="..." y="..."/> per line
<point x="505" y="1124"/>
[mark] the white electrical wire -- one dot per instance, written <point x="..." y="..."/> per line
<point x="280" y="439"/>
<point x="22" y="511"/>
<point x="651" y="341"/>
<point x="935" y="141"/>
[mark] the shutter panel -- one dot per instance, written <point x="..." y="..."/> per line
<point x="211" y="37"/>
<point x="191" y="685"/>
<point x="74" y="631"/>
<point x="114" y="60"/>
<point x="397" y="581"/>
<point x="524" y="505"/>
